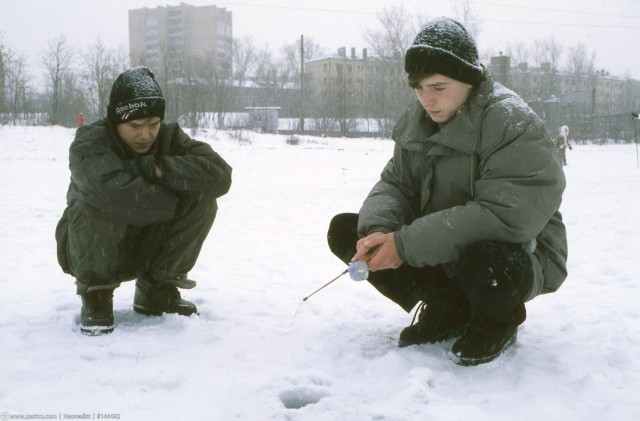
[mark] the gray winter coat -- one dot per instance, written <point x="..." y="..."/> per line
<point x="114" y="180"/>
<point x="491" y="173"/>
<point x="101" y="173"/>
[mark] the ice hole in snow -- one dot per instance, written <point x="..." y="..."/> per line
<point x="299" y="398"/>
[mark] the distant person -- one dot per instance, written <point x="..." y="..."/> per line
<point x="465" y="216"/>
<point x="562" y="143"/>
<point x="140" y="204"/>
<point x="79" y="119"/>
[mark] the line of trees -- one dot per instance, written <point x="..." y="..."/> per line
<point x="74" y="81"/>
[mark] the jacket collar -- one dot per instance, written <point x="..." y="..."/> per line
<point x="415" y="130"/>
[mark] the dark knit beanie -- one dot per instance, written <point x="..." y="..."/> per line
<point x="135" y="94"/>
<point x="444" y="46"/>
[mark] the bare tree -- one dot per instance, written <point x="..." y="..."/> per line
<point x="268" y="78"/>
<point x="193" y="91"/>
<point x="463" y="11"/>
<point x="100" y="67"/>
<point x="579" y="61"/>
<point x="244" y="59"/>
<point x="57" y="61"/>
<point x="290" y="64"/>
<point x="2" y="77"/>
<point x="631" y="99"/>
<point x="15" y="93"/>
<point x="72" y="99"/>
<point x="389" y="43"/>
<point x="546" y="55"/>
<point x="519" y="53"/>
<point x="395" y="36"/>
<point x="547" y="51"/>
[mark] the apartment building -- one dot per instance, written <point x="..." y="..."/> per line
<point x="163" y="36"/>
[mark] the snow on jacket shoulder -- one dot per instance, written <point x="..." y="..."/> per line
<point x="490" y="173"/>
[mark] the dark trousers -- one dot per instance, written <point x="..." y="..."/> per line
<point x="491" y="278"/>
<point x="101" y="253"/>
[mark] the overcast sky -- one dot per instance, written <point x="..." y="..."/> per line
<point x="610" y="28"/>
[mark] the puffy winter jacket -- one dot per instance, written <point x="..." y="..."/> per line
<point x="490" y="173"/>
<point x="101" y="176"/>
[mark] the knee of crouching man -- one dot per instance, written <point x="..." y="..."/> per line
<point x="500" y="266"/>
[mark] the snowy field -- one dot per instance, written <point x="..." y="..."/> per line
<point x="245" y="356"/>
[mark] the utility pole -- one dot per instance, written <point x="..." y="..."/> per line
<point x="301" y="83"/>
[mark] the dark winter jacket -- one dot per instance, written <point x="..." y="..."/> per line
<point x="113" y="179"/>
<point x="489" y="173"/>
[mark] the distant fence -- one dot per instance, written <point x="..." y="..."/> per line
<point x="615" y="126"/>
<point x="584" y="126"/>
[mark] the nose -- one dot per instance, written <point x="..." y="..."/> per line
<point x="425" y="98"/>
<point x="145" y="133"/>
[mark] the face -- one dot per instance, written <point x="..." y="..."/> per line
<point x="140" y="134"/>
<point x="442" y="96"/>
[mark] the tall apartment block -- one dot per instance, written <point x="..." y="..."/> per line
<point x="166" y="35"/>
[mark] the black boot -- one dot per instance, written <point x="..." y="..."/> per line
<point x="435" y="325"/>
<point x="96" y="315"/>
<point x="483" y="341"/>
<point x="444" y="312"/>
<point x="495" y="277"/>
<point x="153" y="299"/>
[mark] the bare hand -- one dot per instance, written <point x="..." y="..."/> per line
<point x="382" y="248"/>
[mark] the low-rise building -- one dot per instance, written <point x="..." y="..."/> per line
<point x="347" y="86"/>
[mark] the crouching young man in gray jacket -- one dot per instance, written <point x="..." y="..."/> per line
<point x="140" y="204"/>
<point x="465" y="217"/>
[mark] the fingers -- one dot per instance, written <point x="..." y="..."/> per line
<point x="384" y="255"/>
<point x="364" y="245"/>
<point x="360" y="251"/>
<point x="372" y="242"/>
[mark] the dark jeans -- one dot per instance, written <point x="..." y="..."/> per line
<point x="493" y="278"/>
<point x="101" y="253"/>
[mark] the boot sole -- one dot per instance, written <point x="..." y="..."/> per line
<point x="146" y="311"/>
<point x="455" y="333"/>
<point x="469" y="362"/>
<point x="96" y="330"/>
<point x="149" y="312"/>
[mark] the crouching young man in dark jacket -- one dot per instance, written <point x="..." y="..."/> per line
<point x="465" y="217"/>
<point x="140" y="204"/>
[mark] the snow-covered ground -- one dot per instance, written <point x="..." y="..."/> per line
<point x="246" y="357"/>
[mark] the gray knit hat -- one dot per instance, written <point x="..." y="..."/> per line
<point x="135" y="94"/>
<point x="444" y="46"/>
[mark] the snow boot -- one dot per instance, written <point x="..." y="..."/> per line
<point x="444" y="312"/>
<point x="483" y="342"/>
<point x="435" y="325"/>
<point x="153" y="299"/>
<point x="96" y="315"/>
